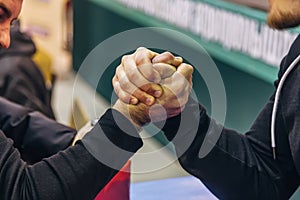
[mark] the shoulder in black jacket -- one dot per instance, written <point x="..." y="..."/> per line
<point x="21" y="81"/>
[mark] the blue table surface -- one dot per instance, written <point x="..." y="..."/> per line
<point x="179" y="188"/>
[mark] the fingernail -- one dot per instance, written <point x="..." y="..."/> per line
<point x="133" y="101"/>
<point x="149" y="101"/>
<point x="157" y="93"/>
<point x="154" y="60"/>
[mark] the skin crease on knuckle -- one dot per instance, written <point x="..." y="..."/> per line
<point x="128" y="63"/>
<point x="166" y="57"/>
<point x="143" y="56"/>
<point x="125" y="58"/>
<point x="141" y="59"/>
<point x="149" y="73"/>
<point x="124" y="83"/>
<point x="126" y="86"/>
<point x="143" y="86"/>
<point x="122" y="95"/>
<point x="177" y="84"/>
<point x="141" y="95"/>
<point x="116" y="84"/>
<point x="165" y="70"/>
<point x="134" y="76"/>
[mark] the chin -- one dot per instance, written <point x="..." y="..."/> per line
<point x="284" y="15"/>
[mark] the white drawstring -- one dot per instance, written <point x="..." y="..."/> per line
<point x="275" y="106"/>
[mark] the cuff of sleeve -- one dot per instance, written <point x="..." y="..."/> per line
<point x="113" y="140"/>
<point x="191" y="126"/>
<point x="188" y="119"/>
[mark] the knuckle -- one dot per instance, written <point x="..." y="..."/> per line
<point x="125" y="86"/>
<point x="116" y="88"/>
<point x="124" y="58"/>
<point x="123" y="97"/>
<point x="143" y="56"/>
<point x="132" y="75"/>
<point x="168" y="55"/>
<point x="137" y="93"/>
<point x="189" y="68"/>
<point x="147" y="88"/>
<point x="150" y="76"/>
<point x="140" y="49"/>
<point x="178" y="87"/>
<point x="140" y="95"/>
<point x="118" y="69"/>
<point x="114" y="80"/>
<point x="142" y="59"/>
<point x="177" y="91"/>
<point x="121" y="76"/>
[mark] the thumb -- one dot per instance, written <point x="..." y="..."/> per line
<point x="186" y="71"/>
<point x="168" y="58"/>
<point x="165" y="70"/>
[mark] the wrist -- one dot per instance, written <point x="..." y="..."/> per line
<point x="123" y="108"/>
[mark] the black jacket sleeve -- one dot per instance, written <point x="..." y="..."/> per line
<point x="35" y="135"/>
<point x="241" y="166"/>
<point x="71" y="174"/>
<point x="22" y="82"/>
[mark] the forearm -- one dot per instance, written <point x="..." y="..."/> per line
<point x="232" y="170"/>
<point x="72" y="174"/>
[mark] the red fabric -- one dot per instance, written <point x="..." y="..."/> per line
<point x="119" y="187"/>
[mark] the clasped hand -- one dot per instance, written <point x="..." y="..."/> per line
<point x="151" y="87"/>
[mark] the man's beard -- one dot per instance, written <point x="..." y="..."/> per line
<point x="284" y="16"/>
